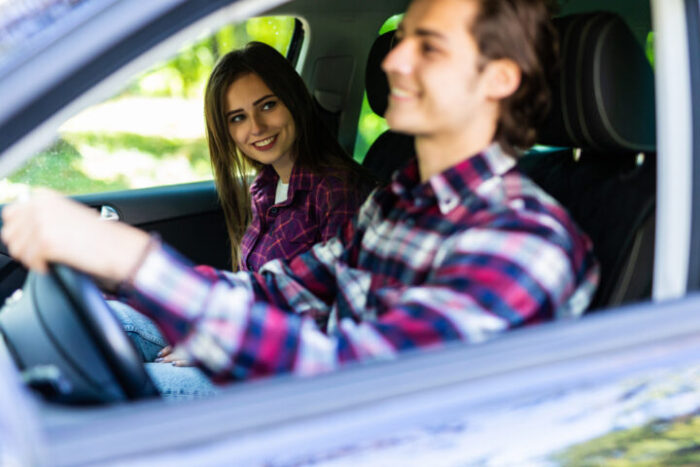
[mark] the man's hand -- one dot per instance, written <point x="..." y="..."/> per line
<point x="49" y="228"/>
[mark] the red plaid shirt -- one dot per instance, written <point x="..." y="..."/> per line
<point x="475" y="251"/>
<point x="317" y="205"/>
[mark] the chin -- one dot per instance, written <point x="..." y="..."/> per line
<point x="402" y="126"/>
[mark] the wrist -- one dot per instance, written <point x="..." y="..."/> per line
<point x="130" y="247"/>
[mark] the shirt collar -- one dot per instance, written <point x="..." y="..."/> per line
<point x="265" y="184"/>
<point x="474" y="174"/>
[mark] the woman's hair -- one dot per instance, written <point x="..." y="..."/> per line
<point x="519" y="30"/>
<point x="314" y="148"/>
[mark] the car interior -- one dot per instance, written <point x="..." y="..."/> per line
<point x="596" y="155"/>
<point x="602" y="165"/>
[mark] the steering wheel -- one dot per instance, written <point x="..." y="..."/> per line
<point x="61" y="322"/>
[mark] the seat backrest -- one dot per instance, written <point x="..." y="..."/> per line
<point x="603" y="105"/>
<point x="602" y="119"/>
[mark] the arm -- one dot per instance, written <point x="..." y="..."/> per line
<point x="478" y="289"/>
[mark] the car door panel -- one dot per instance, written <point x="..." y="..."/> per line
<point x="187" y="217"/>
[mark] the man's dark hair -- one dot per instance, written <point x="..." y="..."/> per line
<point x="519" y="30"/>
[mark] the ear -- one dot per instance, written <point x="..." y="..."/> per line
<point x="503" y="78"/>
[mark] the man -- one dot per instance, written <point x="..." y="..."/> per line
<point x="460" y="246"/>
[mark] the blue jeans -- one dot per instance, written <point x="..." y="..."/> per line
<point x="174" y="383"/>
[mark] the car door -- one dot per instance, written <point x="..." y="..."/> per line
<point x="139" y="155"/>
<point x="372" y="409"/>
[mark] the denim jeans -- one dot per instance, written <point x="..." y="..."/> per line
<point x="174" y="383"/>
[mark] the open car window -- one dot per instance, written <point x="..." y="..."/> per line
<point x="151" y="133"/>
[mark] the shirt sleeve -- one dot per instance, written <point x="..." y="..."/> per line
<point x="483" y="283"/>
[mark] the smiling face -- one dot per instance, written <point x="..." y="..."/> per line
<point x="436" y="85"/>
<point x="260" y="124"/>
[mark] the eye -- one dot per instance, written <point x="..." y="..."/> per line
<point x="269" y="105"/>
<point x="427" y="48"/>
<point x="236" y="118"/>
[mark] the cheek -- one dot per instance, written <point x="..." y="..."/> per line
<point x="236" y="134"/>
<point x="292" y="129"/>
<point x="284" y="118"/>
<point x="452" y="93"/>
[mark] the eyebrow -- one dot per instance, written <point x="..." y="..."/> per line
<point x="422" y="32"/>
<point x="430" y="33"/>
<point x="267" y="96"/>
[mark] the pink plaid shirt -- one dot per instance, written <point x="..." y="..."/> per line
<point x="317" y="205"/>
<point x="475" y="251"/>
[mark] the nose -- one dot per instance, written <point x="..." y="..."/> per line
<point x="400" y="58"/>
<point x="257" y="124"/>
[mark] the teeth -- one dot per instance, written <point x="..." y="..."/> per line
<point x="264" y="142"/>
<point x="400" y="92"/>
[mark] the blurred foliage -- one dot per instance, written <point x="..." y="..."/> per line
<point x="391" y="24"/>
<point x="127" y="160"/>
<point x="57" y="167"/>
<point x="668" y="443"/>
<point x="186" y="74"/>
<point x="371" y="125"/>
<point x="196" y="151"/>
<point x="650" y="47"/>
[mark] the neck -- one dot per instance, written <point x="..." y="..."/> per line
<point x="440" y="151"/>
<point x="284" y="167"/>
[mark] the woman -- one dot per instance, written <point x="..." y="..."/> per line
<point x="261" y="119"/>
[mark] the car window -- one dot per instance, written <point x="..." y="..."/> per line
<point x="371" y="125"/>
<point x="149" y="134"/>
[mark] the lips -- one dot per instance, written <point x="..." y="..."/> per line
<point x="401" y="94"/>
<point x="265" y="144"/>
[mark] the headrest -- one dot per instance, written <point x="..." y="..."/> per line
<point x="604" y="95"/>
<point x="602" y="98"/>
<point x="376" y="82"/>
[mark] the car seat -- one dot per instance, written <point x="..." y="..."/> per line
<point x="602" y="125"/>
<point x="390" y="150"/>
<point x="603" y="105"/>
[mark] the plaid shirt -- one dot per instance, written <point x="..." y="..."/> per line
<point x="315" y="208"/>
<point x="472" y="252"/>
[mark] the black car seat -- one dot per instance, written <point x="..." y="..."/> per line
<point x="603" y="123"/>
<point x="390" y="150"/>
<point x="603" y="105"/>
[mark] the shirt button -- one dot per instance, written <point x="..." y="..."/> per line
<point x="449" y="204"/>
<point x="273" y="210"/>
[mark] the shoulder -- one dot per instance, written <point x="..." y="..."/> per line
<point x="515" y="209"/>
<point x="530" y="201"/>
<point x="265" y="179"/>
<point x="330" y="186"/>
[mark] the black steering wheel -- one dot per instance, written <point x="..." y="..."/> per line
<point x="61" y="328"/>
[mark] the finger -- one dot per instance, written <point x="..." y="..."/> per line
<point x="170" y="358"/>
<point x="165" y="351"/>
<point x="182" y="363"/>
<point x="17" y="244"/>
<point x="24" y="247"/>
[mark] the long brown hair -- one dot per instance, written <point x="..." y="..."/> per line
<point x="314" y="148"/>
